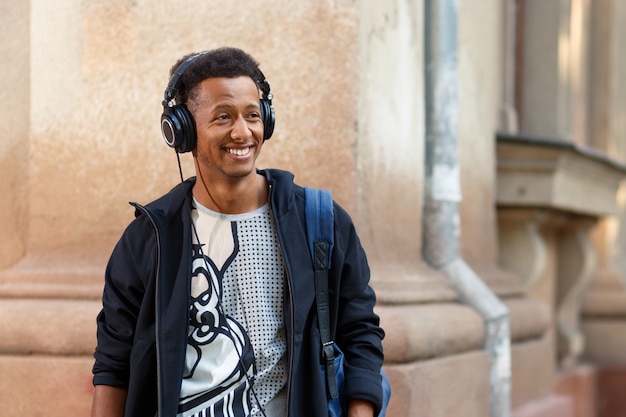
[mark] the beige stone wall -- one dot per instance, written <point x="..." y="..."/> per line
<point x="614" y="122"/>
<point x="389" y="150"/>
<point x="480" y="46"/>
<point x="349" y="109"/>
<point x="98" y="74"/>
<point x="14" y="140"/>
<point x="82" y="83"/>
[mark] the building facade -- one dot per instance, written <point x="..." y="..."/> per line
<point x="480" y="147"/>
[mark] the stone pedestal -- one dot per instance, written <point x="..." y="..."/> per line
<point x="604" y="305"/>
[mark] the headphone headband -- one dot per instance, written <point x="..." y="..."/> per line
<point x="172" y="87"/>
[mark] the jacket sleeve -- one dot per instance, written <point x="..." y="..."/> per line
<point x="358" y="333"/>
<point x="129" y="270"/>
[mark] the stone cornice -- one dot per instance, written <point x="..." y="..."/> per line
<point x="554" y="173"/>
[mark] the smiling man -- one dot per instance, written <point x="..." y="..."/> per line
<point x="209" y="299"/>
<point x="230" y="135"/>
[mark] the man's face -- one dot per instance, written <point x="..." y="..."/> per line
<point x="229" y="127"/>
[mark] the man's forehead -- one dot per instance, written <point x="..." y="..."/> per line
<point x="226" y="85"/>
<point x="223" y="91"/>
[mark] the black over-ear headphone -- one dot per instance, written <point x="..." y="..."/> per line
<point x="177" y="124"/>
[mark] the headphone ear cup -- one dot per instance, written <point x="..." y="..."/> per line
<point x="268" y="117"/>
<point x="178" y="128"/>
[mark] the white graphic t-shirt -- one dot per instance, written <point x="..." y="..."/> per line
<point x="236" y="349"/>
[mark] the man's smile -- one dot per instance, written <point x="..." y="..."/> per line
<point x="239" y="151"/>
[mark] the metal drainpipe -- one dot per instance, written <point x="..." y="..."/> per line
<point x="441" y="225"/>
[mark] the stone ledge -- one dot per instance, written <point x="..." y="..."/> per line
<point x="605" y="304"/>
<point x="414" y="283"/>
<point x="503" y="283"/>
<point x="67" y="326"/>
<point x="51" y="327"/>
<point x="417" y="332"/>
<point x="554" y="173"/>
<point x="51" y="291"/>
<point x="423" y="331"/>
<point x="80" y="265"/>
<point x="528" y="318"/>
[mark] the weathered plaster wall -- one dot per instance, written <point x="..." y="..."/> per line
<point x="617" y="129"/>
<point x="98" y="74"/>
<point x="84" y="82"/>
<point x="14" y="139"/>
<point x="82" y="86"/>
<point x="390" y="148"/>
<point x="480" y="46"/>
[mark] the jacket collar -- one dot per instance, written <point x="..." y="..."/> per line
<point x="167" y="205"/>
<point x="281" y="190"/>
<point x="164" y="207"/>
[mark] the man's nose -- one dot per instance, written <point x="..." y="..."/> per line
<point x="241" y="129"/>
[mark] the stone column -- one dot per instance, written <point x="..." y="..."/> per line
<point x="428" y="333"/>
<point x="15" y="140"/>
<point x="554" y="69"/>
<point x="390" y="154"/>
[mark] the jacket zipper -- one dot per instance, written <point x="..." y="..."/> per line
<point x="291" y="308"/>
<point x="156" y="306"/>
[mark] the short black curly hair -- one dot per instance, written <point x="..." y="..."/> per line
<point x="225" y="62"/>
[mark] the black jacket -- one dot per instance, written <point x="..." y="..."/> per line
<point x="147" y="293"/>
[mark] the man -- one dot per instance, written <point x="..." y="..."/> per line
<point x="209" y="300"/>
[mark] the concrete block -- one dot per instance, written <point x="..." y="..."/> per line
<point x="452" y="386"/>
<point x="51" y="386"/>
<point x="61" y="327"/>
<point x="420" y="332"/>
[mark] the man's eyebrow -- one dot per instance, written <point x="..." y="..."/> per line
<point x="223" y="106"/>
<point x="226" y="106"/>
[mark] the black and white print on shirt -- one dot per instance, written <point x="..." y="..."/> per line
<point x="235" y="363"/>
<point x="218" y="341"/>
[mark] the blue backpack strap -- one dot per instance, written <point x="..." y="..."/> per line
<point x="319" y="215"/>
<point x="319" y="220"/>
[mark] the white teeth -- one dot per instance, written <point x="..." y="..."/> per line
<point x="239" y="152"/>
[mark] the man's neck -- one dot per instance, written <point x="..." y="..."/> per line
<point x="232" y="196"/>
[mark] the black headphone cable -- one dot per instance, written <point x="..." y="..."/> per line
<point x="219" y="302"/>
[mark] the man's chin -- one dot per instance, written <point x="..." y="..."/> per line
<point x="241" y="174"/>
